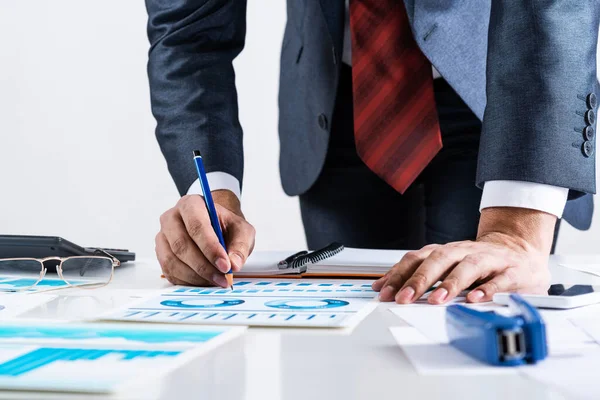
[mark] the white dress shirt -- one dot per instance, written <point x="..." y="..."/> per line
<point x="536" y="196"/>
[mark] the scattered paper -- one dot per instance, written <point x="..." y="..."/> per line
<point x="97" y="358"/>
<point x="13" y="304"/>
<point x="563" y="337"/>
<point x="591" y="326"/>
<point x="430" y="357"/>
<point x="590" y="268"/>
<point x="574" y="374"/>
<point x="256" y="302"/>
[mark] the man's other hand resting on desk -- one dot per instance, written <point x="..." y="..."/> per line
<point x="188" y="249"/>
<point x="510" y="254"/>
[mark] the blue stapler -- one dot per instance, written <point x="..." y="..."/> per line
<point x="497" y="339"/>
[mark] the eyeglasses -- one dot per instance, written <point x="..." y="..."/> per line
<point x="88" y="272"/>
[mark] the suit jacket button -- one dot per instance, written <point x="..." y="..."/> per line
<point x="588" y="133"/>
<point x="323" y="121"/>
<point x="592" y="101"/>
<point x="587" y="148"/>
<point x="590" y="117"/>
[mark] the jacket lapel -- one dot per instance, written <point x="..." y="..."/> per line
<point x="333" y="11"/>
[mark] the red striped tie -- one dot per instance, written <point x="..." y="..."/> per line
<point x="396" y="127"/>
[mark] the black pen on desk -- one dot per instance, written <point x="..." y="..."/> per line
<point x="210" y="206"/>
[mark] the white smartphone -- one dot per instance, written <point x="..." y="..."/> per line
<point x="559" y="296"/>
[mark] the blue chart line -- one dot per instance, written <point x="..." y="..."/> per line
<point x="45" y="356"/>
<point x="151" y="314"/>
<point x="188" y="316"/>
<point x="181" y="303"/>
<point x="279" y="289"/>
<point x="256" y="287"/>
<point x="147" y="334"/>
<point x="26" y="282"/>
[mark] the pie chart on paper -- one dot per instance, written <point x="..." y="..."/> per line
<point x="306" y="304"/>
<point x="203" y="303"/>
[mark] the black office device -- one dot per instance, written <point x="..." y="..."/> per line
<point x="19" y="246"/>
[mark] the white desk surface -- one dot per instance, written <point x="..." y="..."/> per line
<point x="269" y="364"/>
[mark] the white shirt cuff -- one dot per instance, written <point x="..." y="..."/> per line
<point x="534" y="196"/>
<point x="218" y="181"/>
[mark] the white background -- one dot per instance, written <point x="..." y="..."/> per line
<point x="78" y="156"/>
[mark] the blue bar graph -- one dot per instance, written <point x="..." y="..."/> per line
<point x="42" y="357"/>
<point x="278" y="287"/>
<point x="188" y="316"/>
<point x="143" y="333"/>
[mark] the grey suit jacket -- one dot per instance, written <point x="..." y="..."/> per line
<point x="541" y="67"/>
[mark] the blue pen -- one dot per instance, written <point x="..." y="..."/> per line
<point x="210" y="206"/>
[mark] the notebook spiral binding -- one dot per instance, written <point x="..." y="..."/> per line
<point x="300" y="260"/>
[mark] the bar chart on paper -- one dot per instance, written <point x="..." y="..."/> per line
<point x="270" y="288"/>
<point x="258" y="303"/>
<point x="31" y="284"/>
<point x="98" y="358"/>
<point x="55" y="368"/>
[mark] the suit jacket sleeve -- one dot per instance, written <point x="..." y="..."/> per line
<point x="192" y="84"/>
<point x="541" y="67"/>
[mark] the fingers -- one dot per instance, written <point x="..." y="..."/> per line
<point x="188" y="235"/>
<point x="460" y="266"/>
<point x="506" y="281"/>
<point x="379" y="283"/>
<point x="521" y="277"/>
<point x="176" y="271"/>
<point x="240" y="238"/>
<point x="472" y="268"/>
<point x="198" y="226"/>
<point x="438" y="263"/>
<point x="182" y="245"/>
<point x="395" y="278"/>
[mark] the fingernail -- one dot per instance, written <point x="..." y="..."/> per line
<point x="405" y="295"/>
<point x="438" y="295"/>
<point x="220" y="280"/>
<point x="387" y="293"/>
<point x="377" y="283"/>
<point x="222" y="265"/>
<point x="236" y="261"/>
<point x="476" y="295"/>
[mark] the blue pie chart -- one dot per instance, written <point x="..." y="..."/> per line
<point x="204" y="303"/>
<point x="306" y="304"/>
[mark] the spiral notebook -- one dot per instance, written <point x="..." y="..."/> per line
<point x="333" y="261"/>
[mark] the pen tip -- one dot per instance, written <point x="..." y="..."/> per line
<point x="197" y="153"/>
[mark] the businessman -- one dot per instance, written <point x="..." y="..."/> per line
<point x="461" y="129"/>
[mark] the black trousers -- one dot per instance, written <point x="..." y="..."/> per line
<point x="350" y="204"/>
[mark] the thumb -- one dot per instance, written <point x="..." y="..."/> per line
<point x="239" y="238"/>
